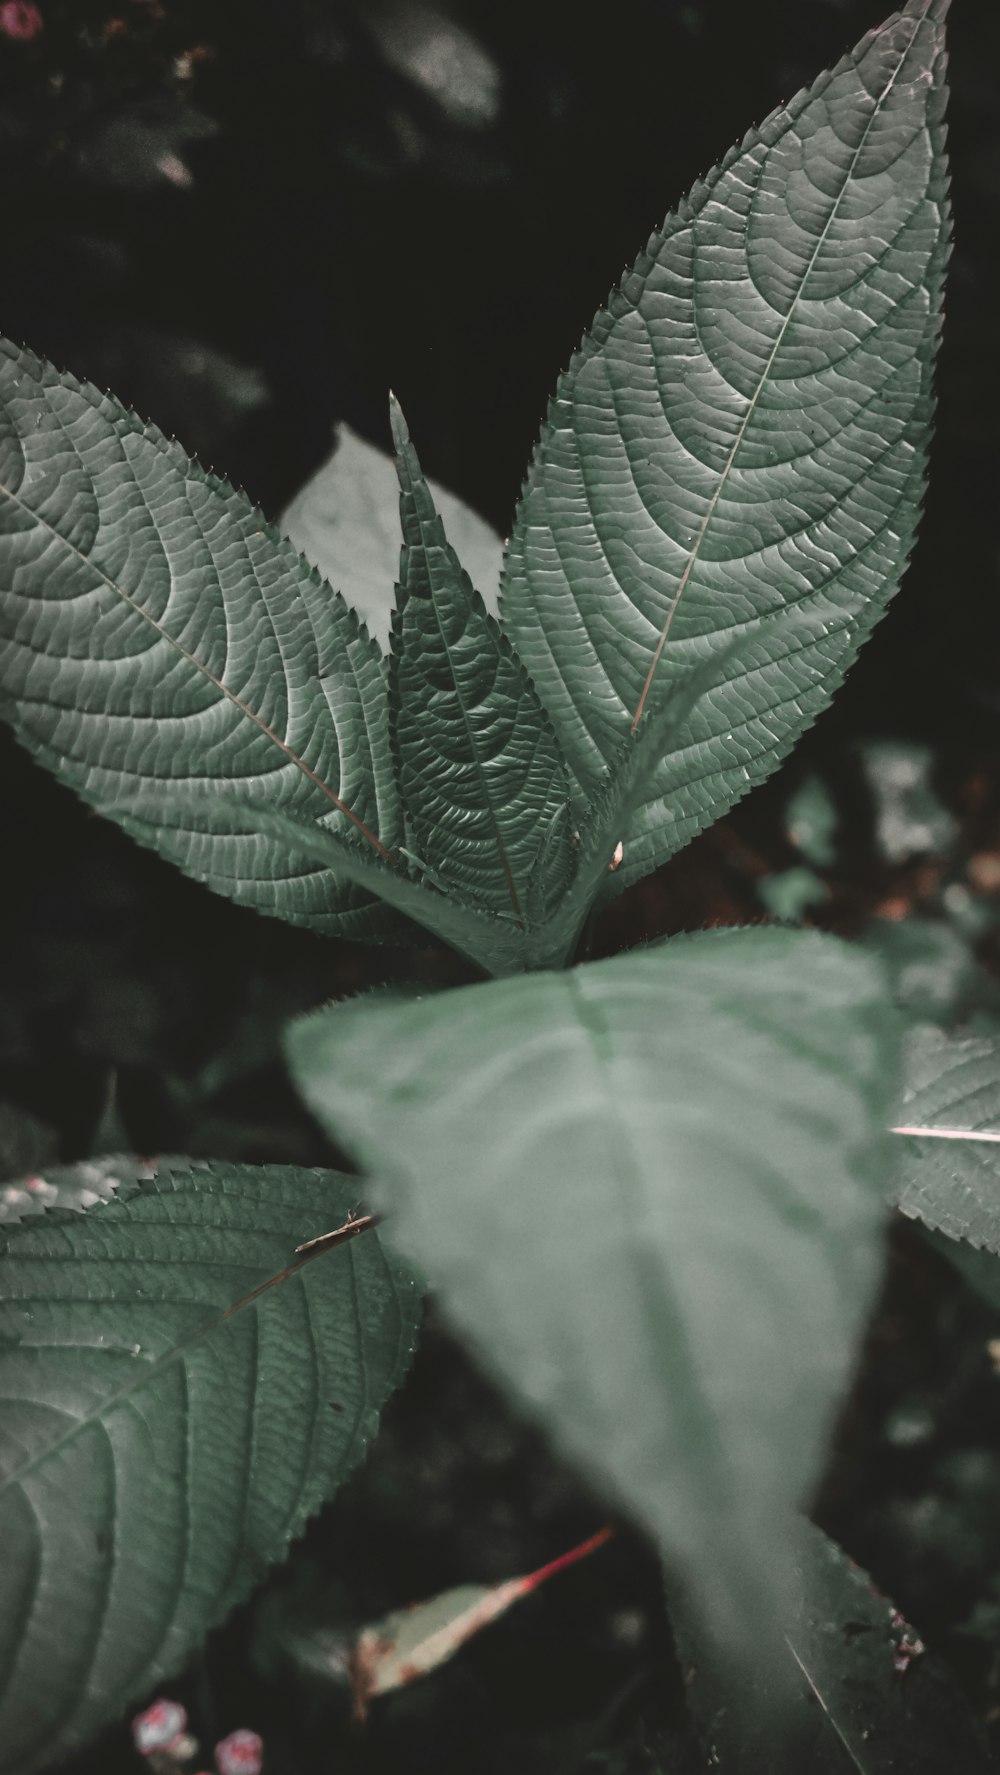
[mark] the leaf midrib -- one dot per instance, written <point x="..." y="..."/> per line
<point x="470" y="734"/>
<point x="150" y="1369"/>
<point x="758" y="391"/>
<point x="655" y="1290"/>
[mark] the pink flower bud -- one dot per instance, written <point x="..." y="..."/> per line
<point x="159" y="1727"/>
<point x="242" y="1753"/>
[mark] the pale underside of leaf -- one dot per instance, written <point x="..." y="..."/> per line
<point x="156" y="631"/>
<point x="649" y="1192"/>
<point x="346" y="523"/>
<point x="180" y="1394"/>
<point x="947" y="1170"/>
<point x="743" y="433"/>
<point x="480" y="773"/>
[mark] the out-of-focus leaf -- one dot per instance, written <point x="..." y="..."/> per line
<point x="811" y="821"/>
<point x="788" y="894"/>
<point x="346" y="522"/>
<point x="650" y="1192"/>
<point x="934" y="973"/>
<point x="439" y="56"/>
<point x="909" y="815"/>
<point x="26" y="1143"/>
<point x="144" y="145"/>
<point x="72" y="1186"/>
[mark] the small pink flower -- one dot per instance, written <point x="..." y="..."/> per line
<point x="159" y="1727"/>
<point x="20" y="20"/>
<point x="242" y="1753"/>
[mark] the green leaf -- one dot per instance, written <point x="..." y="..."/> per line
<point x="480" y="772"/>
<point x="932" y="968"/>
<point x="788" y="893"/>
<point x="346" y="522"/>
<point x="171" y="1420"/>
<point x="812" y="822"/>
<point x="742" y="434"/>
<point x="155" y="632"/>
<point x="599" y="872"/>
<point x="865" y="1695"/>
<point x="650" y="1193"/>
<point x="948" y="1117"/>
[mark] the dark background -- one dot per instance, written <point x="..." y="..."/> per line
<point x="250" y="221"/>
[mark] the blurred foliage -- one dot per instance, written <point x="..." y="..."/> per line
<point x="251" y="221"/>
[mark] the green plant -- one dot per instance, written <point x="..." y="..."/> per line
<point x="649" y="1191"/>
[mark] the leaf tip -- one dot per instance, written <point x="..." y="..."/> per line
<point x="400" y="429"/>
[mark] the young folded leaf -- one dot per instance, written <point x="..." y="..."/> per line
<point x="345" y="520"/>
<point x="181" y="1393"/>
<point x="744" y="432"/>
<point x="948" y="1161"/>
<point x="650" y="1193"/>
<point x="156" y="632"/>
<point x="480" y="772"/>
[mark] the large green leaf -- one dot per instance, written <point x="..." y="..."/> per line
<point x="156" y="632"/>
<point x="346" y="522"/>
<point x="650" y="1193"/>
<point x="480" y="772"/>
<point x="743" y="433"/>
<point x="170" y="1421"/>
<point x="948" y="1119"/>
<point x="854" y="1687"/>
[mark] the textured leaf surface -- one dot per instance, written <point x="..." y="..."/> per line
<point x="650" y="1193"/>
<point x="155" y="631"/>
<point x="601" y="848"/>
<point x="346" y="522"/>
<point x="864" y="1694"/>
<point x="170" y="1422"/>
<point x="480" y="772"/>
<point x="948" y="1165"/>
<point x="743" y="433"/>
